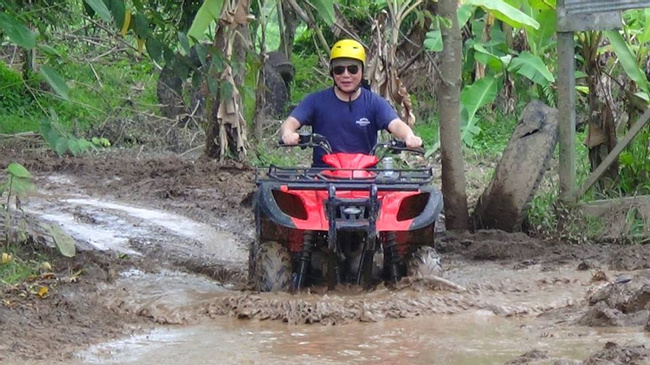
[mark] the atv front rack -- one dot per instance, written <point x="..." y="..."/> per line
<point x="312" y="178"/>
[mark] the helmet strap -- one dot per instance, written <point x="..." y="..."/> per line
<point x="349" y="94"/>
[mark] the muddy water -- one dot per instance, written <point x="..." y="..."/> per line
<point x="502" y="313"/>
<point x="491" y="324"/>
<point x="477" y="338"/>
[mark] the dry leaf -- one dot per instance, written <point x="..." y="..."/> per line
<point x="46" y="265"/>
<point x="42" y="292"/>
<point x="6" y="257"/>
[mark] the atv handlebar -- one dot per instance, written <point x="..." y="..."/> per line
<point x="396" y="146"/>
<point x="317" y="140"/>
<point x="310" y="140"/>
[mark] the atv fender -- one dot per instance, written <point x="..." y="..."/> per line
<point x="431" y="210"/>
<point x="268" y="206"/>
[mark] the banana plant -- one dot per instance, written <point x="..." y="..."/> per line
<point x="536" y="18"/>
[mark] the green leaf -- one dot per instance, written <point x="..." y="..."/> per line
<point x="433" y="41"/>
<point x="531" y="67"/>
<point x="61" y="146"/>
<point x="62" y="240"/>
<point x="118" y="11"/>
<point x="89" y="11"/>
<point x="472" y="98"/>
<point x="628" y="60"/>
<point x="52" y="137"/>
<point x="465" y="12"/>
<point x="49" y="50"/>
<point x="542" y="4"/>
<point x="487" y="58"/>
<point x="626" y="159"/>
<point x="643" y="95"/>
<point x="100" y="8"/>
<point x="209" y="11"/>
<point x="140" y="26"/>
<point x="154" y="48"/>
<point x="185" y="43"/>
<point x="477" y="95"/>
<point x="325" y="9"/>
<point x="85" y="145"/>
<point x="202" y="53"/>
<point x="543" y="37"/>
<point x="18" y="170"/>
<point x="73" y="147"/>
<point x="17" y="31"/>
<point x="57" y="83"/>
<point x="645" y="36"/>
<point x="506" y="13"/>
<point x="20" y="186"/>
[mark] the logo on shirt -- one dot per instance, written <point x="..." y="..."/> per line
<point x="363" y="122"/>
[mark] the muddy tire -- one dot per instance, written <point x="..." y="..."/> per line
<point x="281" y="63"/>
<point x="424" y="263"/>
<point x="273" y="268"/>
<point x="169" y="92"/>
<point x="276" y="94"/>
<point x="504" y="203"/>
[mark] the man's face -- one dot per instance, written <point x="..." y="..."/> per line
<point x="347" y="74"/>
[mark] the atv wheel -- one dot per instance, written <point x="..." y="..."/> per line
<point x="424" y="263"/>
<point x="272" y="268"/>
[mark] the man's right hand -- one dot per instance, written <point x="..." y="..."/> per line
<point x="290" y="138"/>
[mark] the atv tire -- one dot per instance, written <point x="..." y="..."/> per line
<point x="273" y="268"/>
<point x="424" y="263"/>
<point x="505" y="202"/>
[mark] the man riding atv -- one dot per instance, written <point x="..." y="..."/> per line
<point x="348" y="115"/>
<point x="344" y="219"/>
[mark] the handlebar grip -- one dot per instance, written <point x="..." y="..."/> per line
<point x="304" y="138"/>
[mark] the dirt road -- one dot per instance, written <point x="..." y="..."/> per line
<point x="162" y="260"/>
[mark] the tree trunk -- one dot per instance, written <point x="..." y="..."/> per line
<point x="453" y="174"/>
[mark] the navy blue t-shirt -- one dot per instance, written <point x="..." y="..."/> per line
<point x="348" y="128"/>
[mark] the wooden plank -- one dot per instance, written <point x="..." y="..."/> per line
<point x="599" y="207"/>
<point x="567" y="114"/>
<point x="586" y="22"/>
<point x="613" y="155"/>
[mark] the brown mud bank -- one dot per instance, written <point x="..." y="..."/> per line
<point x="163" y="240"/>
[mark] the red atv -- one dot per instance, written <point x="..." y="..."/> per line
<point x="350" y="222"/>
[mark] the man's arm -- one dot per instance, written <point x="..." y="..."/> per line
<point x="288" y="131"/>
<point x="402" y="131"/>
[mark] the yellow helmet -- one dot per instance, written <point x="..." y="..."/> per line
<point x="348" y="48"/>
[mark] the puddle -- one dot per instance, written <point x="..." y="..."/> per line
<point x="491" y="324"/>
<point x="108" y="225"/>
<point x="475" y="338"/>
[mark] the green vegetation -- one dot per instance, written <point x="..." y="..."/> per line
<point x="98" y="93"/>
<point x="14" y="269"/>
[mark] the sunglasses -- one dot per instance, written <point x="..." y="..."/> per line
<point x="339" y="70"/>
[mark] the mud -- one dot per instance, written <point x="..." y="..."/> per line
<point x="163" y="241"/>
